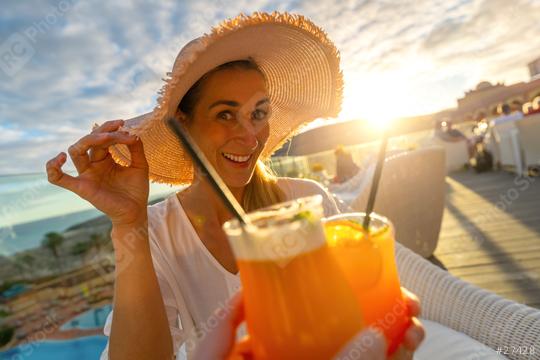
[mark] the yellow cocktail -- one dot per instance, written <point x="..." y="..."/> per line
<point x="368" y="261"/>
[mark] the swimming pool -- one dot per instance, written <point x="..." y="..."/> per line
<point x="84" y="348"/>
<point x="93" y="318"/>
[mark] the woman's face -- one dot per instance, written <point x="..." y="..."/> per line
<point x="230" y="123"/>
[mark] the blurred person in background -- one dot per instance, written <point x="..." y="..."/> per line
<point x="346" y="168"/>
<point x="506" y="115"/>
<point x="444" y="130"/>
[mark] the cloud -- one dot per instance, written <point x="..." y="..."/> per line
<point x="8" y="135"/>
<point x="95" y="61"/>
<point x="414" y="57"/>
<point x="498" y="36"/>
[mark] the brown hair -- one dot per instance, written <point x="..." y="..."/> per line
<point x="262" y="189"/>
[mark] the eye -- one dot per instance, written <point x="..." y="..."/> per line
<point x="259" y="115"/>
<point x="225" y="115"/>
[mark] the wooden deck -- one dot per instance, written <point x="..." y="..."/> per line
<point x="490" y="234"/>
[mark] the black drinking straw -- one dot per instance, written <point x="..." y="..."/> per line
<point x="215" y="180"/>
<point x="375" y="182"/>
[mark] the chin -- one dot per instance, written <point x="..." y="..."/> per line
<point x="237" y="178"/>
<point x="237" y="181"/>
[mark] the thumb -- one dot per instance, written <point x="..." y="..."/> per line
<point x="56" y="176"/>
<point x="370" y="344"/>
<point x="138" y="159"/>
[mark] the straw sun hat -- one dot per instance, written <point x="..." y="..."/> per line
<point x="304" y="82"/>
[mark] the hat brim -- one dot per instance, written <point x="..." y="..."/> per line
<point x="304" y="80"/>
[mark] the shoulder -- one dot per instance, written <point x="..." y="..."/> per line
<point x="518" y="115"/>
<point x="164" y="226"/>
<point x="160" y="209"/>
<point x="287" y="183"/>
<point x="295" y="188"/>
<point x="157" y="214"/>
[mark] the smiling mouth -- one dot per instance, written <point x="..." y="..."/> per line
<point x="239" y="159"/>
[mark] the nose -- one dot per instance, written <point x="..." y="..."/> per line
<point x="247" y="135"/>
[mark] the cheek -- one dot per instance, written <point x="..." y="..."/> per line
<point x="209" y="137"/>
<point x="263" y="135"/>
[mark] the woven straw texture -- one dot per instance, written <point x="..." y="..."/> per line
<point x="300" y="62"/>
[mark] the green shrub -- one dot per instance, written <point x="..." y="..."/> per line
<point x="6" y="333"/>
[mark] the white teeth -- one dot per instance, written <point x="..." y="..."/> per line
<point x="237" y="158"/>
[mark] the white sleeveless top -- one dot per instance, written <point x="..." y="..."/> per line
<point x="193" y="283"/>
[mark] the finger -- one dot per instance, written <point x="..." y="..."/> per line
<point x="413" y="303"/>
<point x="108" y="126"/>
<point x="414" y="335"/>
<point x="401" y="354"/>
<point x="79" y="157"/>
<point x="369" y="344"/>
<point x="98" y="153"/>
<point x="138" y="158"/>
<point x="78" y="151"/>
<point x="56" y="176"/>
<point x="103" y="140"/>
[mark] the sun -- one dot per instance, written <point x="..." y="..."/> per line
<point x="370" y="98"/>
<point x="382" y="96"/>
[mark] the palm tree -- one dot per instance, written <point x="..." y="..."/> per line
<point x="53" y="241"/>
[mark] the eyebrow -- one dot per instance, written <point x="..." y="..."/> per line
<point x="234" y="103"/>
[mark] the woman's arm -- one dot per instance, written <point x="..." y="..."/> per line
<point x="139" y="328"/>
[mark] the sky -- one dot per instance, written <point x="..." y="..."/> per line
<point x="74" y="63"/>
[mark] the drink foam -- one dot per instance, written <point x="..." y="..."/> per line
<point x="279" y="232"/>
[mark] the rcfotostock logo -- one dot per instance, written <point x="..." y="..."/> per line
<point x="17" y="50"/>
<point x="283" y="249"/>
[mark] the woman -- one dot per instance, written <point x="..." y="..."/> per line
<point x="241" y="91"/>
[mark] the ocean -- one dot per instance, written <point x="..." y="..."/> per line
<point x="30" y="207"/>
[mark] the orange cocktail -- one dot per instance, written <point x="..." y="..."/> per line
<point x="368" y="261"/>
<point x="298" y="303"/>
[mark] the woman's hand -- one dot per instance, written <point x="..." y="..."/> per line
<point x="370" y="344"/>
<point x="119" y="192"/>
<point x="415" y="333"/>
